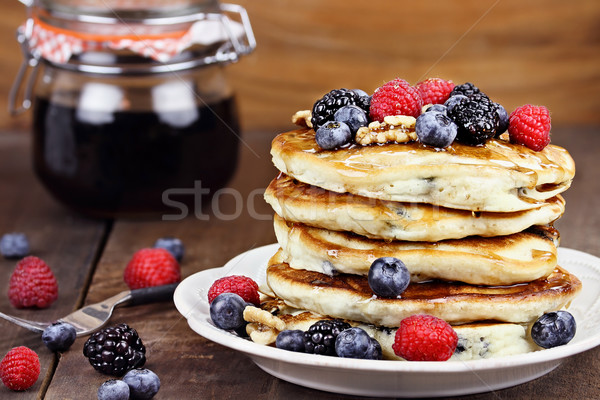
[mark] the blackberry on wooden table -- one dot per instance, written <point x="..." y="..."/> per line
<point x="115" y="350"/>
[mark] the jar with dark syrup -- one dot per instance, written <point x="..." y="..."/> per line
<point x="140" y="113"/>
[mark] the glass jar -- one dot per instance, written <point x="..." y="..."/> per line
<point x="116" y="127"/>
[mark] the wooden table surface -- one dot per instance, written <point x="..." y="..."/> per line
<point x="88" y="257"/>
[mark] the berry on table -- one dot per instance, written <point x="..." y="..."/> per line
<point x="320" y="336"/>
<point x="227" y="311"/>
<point x="388" y="277"/>
<point x="241" y="285"/>
<point x="151" y="267"/>
<point x="422" y="337"/>
<point x="530" y="125"/>
<point x="20" y="368"/>
<point x="554" y="329"/>
<point x="113" y="389"/>
<point x="59" y="336"/>
<point x="396" y="97"/>
<point x="172" y="245"/>
<point x="325" y="107"/>
<point x="14" y="245"/>
<point x="356" y="343"/>
<point x="292" y="340"/>
<point x="32" y="284"/>
<point x="434" y="90"/>
<point x="143" y="383"/>
<point x="333" y="134"/>
<point x="435" y="129"/>
<point x="353" y="116"/>
<point x="115" y="350"/>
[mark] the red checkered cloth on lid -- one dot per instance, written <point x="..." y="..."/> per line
<point x="58" y="45"/>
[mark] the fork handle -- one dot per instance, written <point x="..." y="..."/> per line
<point x="152" y="294"/>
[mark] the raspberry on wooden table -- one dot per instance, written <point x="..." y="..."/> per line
<point x="20" y="368"/>
<point x="151" y="267"/>
<point x="32" y="284"/>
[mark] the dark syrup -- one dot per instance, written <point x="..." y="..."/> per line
<point x="120" y="163"/>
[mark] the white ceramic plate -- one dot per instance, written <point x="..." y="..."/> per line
<point x="394" y="378"/>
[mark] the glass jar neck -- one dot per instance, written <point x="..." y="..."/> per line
<point x="126" y="10"/>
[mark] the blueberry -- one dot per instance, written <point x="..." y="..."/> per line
<point x="226" y="311"/>
<point x="143" y="383"/>
<point x="113" y="389"/>
<point x="353" y="116"/>
<point x="14" y="245"/>
<point x="553" y="329"/>
<point x="292" y="340"/>
<point x="374" y="352"/>
<point x="437" y="107"/>
<point x="503" y="125"/>
<point x="172" y="245"/>
<point x="360" y="92"/>
<point x="388" y="277"/>
<point x="333" y="134"/>
<point x="454" y="100"/>
<point x="59" y="336"/>
<point x="436" y="129"/>
<point x="356" y="343"/>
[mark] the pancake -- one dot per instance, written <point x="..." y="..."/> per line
<point x="497" y="176"/>
<point x="501" y="260"/>
<point x="299" y="202"/>
<point x="350" y="297"/>
<point x="476" y="341"/>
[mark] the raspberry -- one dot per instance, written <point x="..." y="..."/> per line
<point x="424" y="337"/>
<point x="241" y="285"/>
<point x="435" y="90"/>
<point x="151" y="267"/>
<point x="397" y="97"/>
<point x="32" y="284"/>
<point x="530" y="126"/>
<point x="20" y="368"/>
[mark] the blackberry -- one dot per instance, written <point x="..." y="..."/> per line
<point x="115" y="350"/>
<point x="326" y="106"/>
<point x="466" y="89"/>
<point x="320" y="337"/>
<point x="477" y="119"/>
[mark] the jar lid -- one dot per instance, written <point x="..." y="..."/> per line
<point x="82" y="35"/>
<point x="56" y="33"/>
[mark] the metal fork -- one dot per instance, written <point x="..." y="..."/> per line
<point x="93" y="317"/>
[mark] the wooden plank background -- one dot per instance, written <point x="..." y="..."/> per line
<point x="540" y="51"/>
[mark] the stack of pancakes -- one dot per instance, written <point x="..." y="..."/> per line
<point x="473" y="225"/>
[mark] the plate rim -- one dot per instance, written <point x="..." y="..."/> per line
<point x="227" y="339"/>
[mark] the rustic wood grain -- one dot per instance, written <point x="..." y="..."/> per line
<point x="67" y="242"/>
<point x="541" y="52"/>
